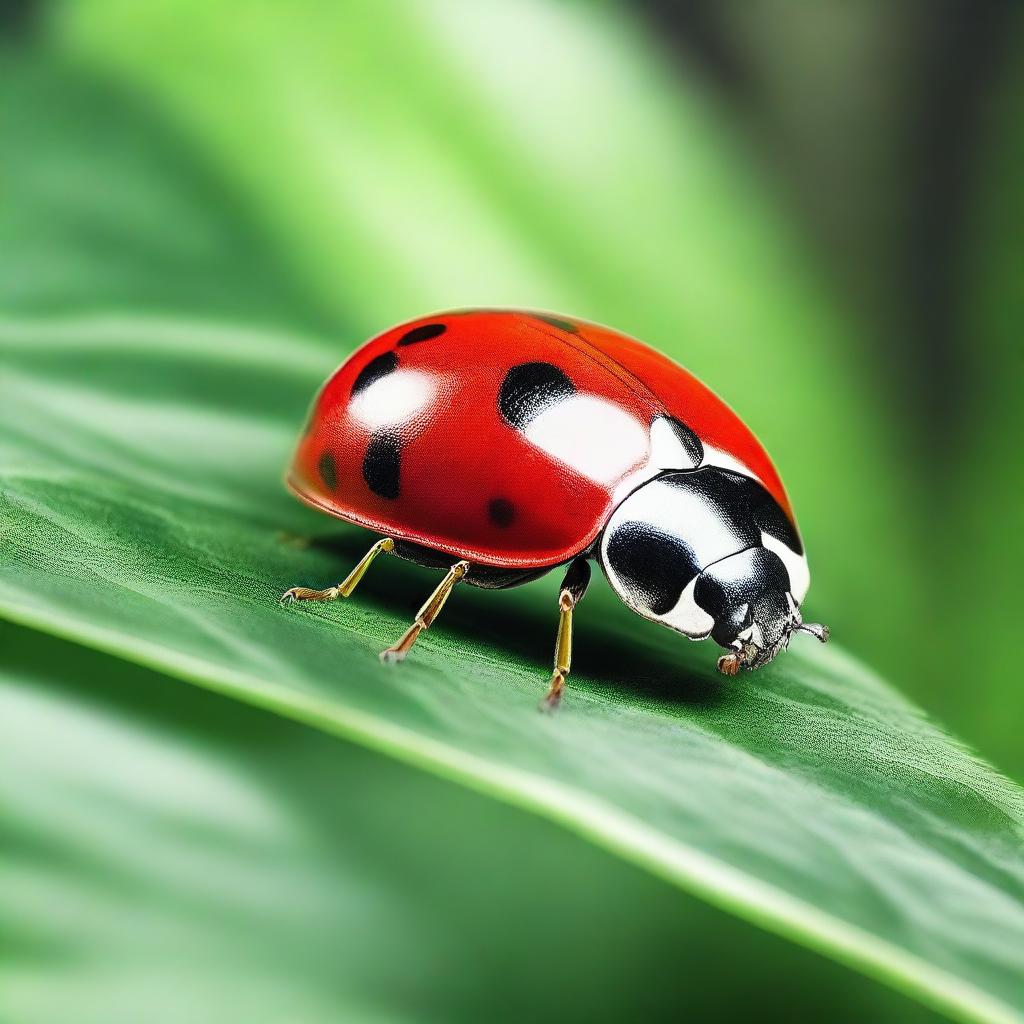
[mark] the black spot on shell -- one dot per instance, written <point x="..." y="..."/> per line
<point x="528" y="389"/>
<point x="376" y="368"/>
<point x="557" y="321"/>
<point x="424" y="333"/>
<point x="328" y="471"/>
<point x="501" y="512"/>
<point x="381" y="465"/>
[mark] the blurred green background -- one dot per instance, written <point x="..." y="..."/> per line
<point x="816" y="208"/>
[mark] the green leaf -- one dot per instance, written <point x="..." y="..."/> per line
<point x="141" y="443"/>
<point x="145" y="520"/>
<point x="435" y="155"/>
<point x="169" y="849"/>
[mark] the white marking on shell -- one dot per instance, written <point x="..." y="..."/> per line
<point x="393" y="400"/>
<point x="593" y="436"/>
<point x="665" y="452"/>
<point x="688" y="617"/>
<point x="796" y="565"/>
<point x="716" y="457"/>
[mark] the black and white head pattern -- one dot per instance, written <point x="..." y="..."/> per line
<point x="708" y="553"/>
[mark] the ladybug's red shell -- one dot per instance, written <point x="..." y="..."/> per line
<point x="440" y="432"/>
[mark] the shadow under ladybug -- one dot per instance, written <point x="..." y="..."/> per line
<point x="614" y="660"/>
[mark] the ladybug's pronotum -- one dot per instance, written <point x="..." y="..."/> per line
<point x="500" y="444"/>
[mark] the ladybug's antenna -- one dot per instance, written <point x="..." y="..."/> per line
<point x="797" y="624"/>
<point x="816" y="629"/>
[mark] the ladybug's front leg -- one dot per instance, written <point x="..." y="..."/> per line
<point x="426" y="615"/>
<point x="347" y="585"/>
<point x="574" y="586"/>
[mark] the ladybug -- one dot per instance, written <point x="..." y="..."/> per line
<point x="500" y="444"/>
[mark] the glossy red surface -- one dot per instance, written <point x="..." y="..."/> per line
<point x="456" y="476"/>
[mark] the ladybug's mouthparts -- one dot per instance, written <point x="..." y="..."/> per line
<point x="750" y="655"/>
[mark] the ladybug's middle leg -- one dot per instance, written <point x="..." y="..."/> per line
<point x="347" y="585"/>
<point x="574" y="586"/>
<point x="426" y="615"/>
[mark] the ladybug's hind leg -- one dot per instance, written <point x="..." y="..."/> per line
<point x="426" y="615"/>
<point x="574" y="586"/>
<point x="347" y="585"/>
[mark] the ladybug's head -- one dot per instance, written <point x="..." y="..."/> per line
<point x="759" y="630"/>
<point x="749" y="596"/>
<point x="709" y="553"/>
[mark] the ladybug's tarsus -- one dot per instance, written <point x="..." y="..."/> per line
<point x="574" y="586"/>
<point x="306" y="594"/>
<point x="426" y="615"/>
<point x="553" y="698"/>
<point x="729" y="664"/>
<point x="347" y="585"/>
